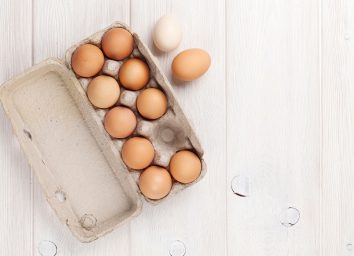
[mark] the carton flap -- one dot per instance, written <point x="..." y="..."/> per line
<point x="69" y="151"/>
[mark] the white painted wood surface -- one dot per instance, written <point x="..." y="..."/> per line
<point x="276" y="107"/>
<point x="15" y="177"/>
<point x="273" y="88"/>
<point x="337" y="181"/>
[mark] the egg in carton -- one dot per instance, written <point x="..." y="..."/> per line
<point x="77" y="164"/>
<point x="170" y="133"/>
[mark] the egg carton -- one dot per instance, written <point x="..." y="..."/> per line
<point x="170" y="133"/>
<point x="77" y="163"/>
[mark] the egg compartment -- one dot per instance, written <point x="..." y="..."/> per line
<point x="167" y="138"/>
<point x="170" y="133"/>
<point x="165" y="133"/>
<point x="88" y="187"/>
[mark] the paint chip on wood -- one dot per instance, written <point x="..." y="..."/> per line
<point x="290" y="217"/>
<point x="177" y="248"/>
<point x="240" y="185"/>
<point x="47" y="248"/>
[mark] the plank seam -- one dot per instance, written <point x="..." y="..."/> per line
<point x="31" y="175"/>
<point x="226" y="127"/>
<point x="321" y="122"/>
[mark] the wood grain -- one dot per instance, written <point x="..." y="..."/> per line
<point x="337" y="183"/>
<point x="196" y="216"/>
<point x="58" y="25"/>
<point x="273" y="124"/>
<point x="15" y="175"/>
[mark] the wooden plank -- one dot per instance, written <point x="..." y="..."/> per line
<point x="196" y="216"/>
<point x="273" y="124"/>
<point x="337" y="205"/>
<point x="57" y="25"/>
<point x="15" y="175"/>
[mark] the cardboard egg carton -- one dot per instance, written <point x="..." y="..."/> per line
<point x="77" y="163"/>
<point x="170" y="133"/>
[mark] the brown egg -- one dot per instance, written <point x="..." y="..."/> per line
<point x="117" y="43"/>
<point x="190" y="64"/>
<point x="103" y="91"/>
<point x="152" y="103"/>
<point x="155" y="182"/>
<point x="87" y="60"/>
<point x="185" y="166"/>
<point x="134" y="74"/>
<point x="120" y="122"/>
<point x="138" y="153"/>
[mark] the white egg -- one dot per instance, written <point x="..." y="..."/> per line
<point x="167" y="33"/>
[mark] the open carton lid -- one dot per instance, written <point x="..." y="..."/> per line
<point x="77" y="164"/>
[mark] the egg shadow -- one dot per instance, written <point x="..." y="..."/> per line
<point x="178" y="83"/>
<point x="157" y="52"/>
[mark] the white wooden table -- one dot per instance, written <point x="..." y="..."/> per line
<point x="276" y="108"/>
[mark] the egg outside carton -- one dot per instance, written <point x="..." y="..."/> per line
<point x="170" y="133"/>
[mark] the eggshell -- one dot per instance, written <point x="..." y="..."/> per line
<point x="185" y="166"/>
<point x="134" y="74"/>
<point x="167" y="33"/>
<point x="103" y="91"/>
<point x="155" y="182"/>
<point x="87" y="60"/>
<point x="120" y="122"/>
<point x="190" y="64"/>
<point x="138" y="153"/>
<point x="117" y="43"/>
<point x="152" y="103"/>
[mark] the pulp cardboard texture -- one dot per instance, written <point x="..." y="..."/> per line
<point x="77" y="163"/>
